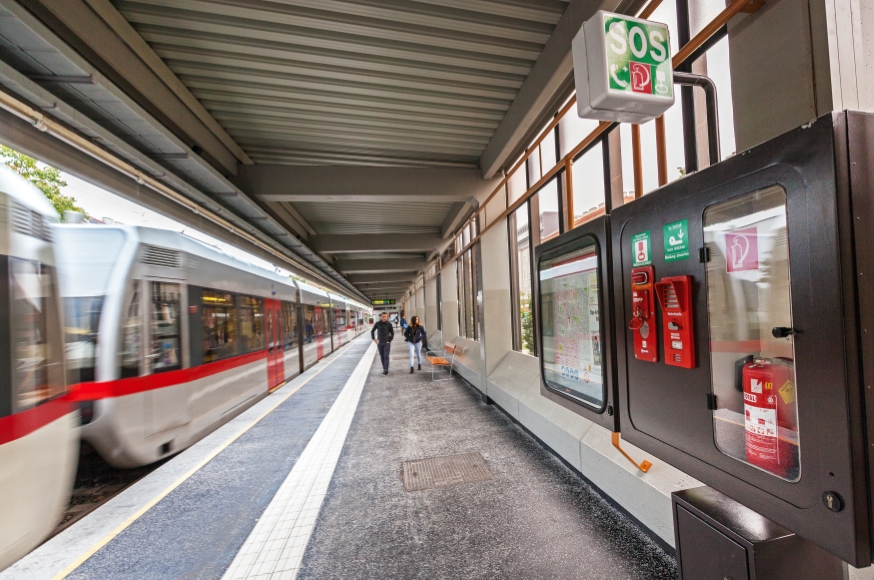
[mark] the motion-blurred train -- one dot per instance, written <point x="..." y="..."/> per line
<point x="137" y="340"/>
<point x="39" y="440"/>
<point x="167" y="338"/>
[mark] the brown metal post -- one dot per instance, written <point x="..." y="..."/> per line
<point x="638" y="162"/>
<point x="661" y="150"/>
<point x="616" y="192"/>
<point x="568" y="193"/>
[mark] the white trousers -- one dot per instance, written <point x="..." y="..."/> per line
<point x="415" y="349"/>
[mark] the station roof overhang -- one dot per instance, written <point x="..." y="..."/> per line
<point x="343" y="139"/>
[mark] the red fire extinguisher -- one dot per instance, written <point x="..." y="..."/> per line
<point x="771" y="415"/>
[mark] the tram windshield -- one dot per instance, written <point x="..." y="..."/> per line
<point x="87" y="257"/>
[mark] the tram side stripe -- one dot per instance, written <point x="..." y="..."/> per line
<point x="125" y="524"/>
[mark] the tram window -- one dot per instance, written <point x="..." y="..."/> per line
<point x="748" y="300"/>
<point x="251" y="323"/>
<point x="82" y="321"/>
<point x="309" y="315"/>
<point x="289" y="325"/>
<point x="570" y="323"/>
<point x="164" y="332"/>
<point x="37" y="374"/>
<point x="219" y="326"/>
<point x="131" y="332"/>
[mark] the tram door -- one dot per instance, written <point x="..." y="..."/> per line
<point x="275" y="351"/>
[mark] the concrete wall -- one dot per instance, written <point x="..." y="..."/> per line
<point x="449" y="292"/>
<point x="430" y="318"/>
<point x="497" y="329"/>
<point x="420" y="306"/>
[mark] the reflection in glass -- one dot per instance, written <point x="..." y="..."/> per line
<point x="251" y="323"/>
<point x="131" y="333"/>
<point x="749" y="303"/>
<point x="166" y="352"/>
<point x="219" y="326"/>
<point x="289" y="325"/>
<point x="37" y="365"/>
<point x="523" y="252"/>
<point x="570" y="322"/>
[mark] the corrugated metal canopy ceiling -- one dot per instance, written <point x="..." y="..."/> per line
<point x="381" y="82"/>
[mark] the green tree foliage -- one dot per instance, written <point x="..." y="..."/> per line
<point x="47" y="179"/>
<point x="527" y="323"/>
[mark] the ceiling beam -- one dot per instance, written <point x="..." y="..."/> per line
<point x="340" y="184"/>
<point x="382" y="265"/>
<point x="383" y="277"/>
<point x="549" y="84"/>
<point x="459" y="212"/>
<point x="358" y="243"/>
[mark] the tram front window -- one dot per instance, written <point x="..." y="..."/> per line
<point x="82" y="316"/>
<point x="37" y="363"/>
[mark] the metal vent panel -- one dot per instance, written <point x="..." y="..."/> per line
<point x="164" y="257"/>
<point x="28" y="222"/>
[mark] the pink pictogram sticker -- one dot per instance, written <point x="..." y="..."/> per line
<point x="742" y="250"/>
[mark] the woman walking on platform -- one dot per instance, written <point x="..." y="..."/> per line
<point x="415" y="336"/>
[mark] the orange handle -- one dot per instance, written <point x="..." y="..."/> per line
<point x="643" y="465"/>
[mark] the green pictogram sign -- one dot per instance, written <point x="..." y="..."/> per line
<point x="641" y="249"/>
<point x="383" y="302"/>
<point x="638" y="56"/>
<point x="677" y="241"/>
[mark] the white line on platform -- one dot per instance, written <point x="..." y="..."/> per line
<point x="275" y="547"/>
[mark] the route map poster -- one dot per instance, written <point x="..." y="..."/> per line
<point x="571" y="326"/>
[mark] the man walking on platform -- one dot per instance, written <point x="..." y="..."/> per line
<point x="382" y="334"/>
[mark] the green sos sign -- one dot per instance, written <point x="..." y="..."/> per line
<point x="638" y="56"/>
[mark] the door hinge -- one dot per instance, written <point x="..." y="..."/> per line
<point x="711" y="401"/>
<point x="704" y="254"/>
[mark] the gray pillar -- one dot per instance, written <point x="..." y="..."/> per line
<point x="449" y="294"/>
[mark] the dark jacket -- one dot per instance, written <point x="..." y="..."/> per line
<point x="382" y="331"/>
<point x="414" y="336"/>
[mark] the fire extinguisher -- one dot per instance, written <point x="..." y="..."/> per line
<point x="770" y="415"/>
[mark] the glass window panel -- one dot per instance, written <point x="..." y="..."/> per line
<point x="523" y="245"/>
<point x="588" y="183"/>
<point x="165" y="350"/>
<point x="132" y="334"/>
<point x="219" y="326"/>
<point x="81" y="331"/>
<point x="289" y="325"/>
<point x="533" y="165"/>
<point x="37" y="361"/>
<point x="309" y="314"/>
<point x="572" y="130"/>
<point x="716" y="64"/>
<point x="517" y="185"/>
<point x="549" y="215"/>
<point x="748" y="297"/>
<point x="251" y="324"/>
<point x="547" y="151"/>
<point x="570" y="323"/>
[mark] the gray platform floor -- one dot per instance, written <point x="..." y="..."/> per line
<point x="536" y="519"/>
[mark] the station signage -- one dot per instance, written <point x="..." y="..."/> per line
<point x="383" y="302"/>
<point x="622" y="68"/>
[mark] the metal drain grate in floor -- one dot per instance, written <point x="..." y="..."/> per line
<point x="434" y="472"/>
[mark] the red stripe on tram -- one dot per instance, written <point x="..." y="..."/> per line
<point x="122" y="387"/>
<point x="24" y="423"/>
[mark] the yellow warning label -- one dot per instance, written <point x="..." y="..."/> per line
<point x="787" y="392"/>
<point x="769" y="386"/>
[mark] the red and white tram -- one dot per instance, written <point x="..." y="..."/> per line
<point x="38" y="438"/>
<point x="171" y="339"/>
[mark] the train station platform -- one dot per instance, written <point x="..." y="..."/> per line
<point x="347" y="473"/>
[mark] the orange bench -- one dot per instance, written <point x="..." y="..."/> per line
<point x="442" y="361"/>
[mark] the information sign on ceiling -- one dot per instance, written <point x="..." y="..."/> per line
<point x="383" y="302"/>
<point x="622" y="68"/>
